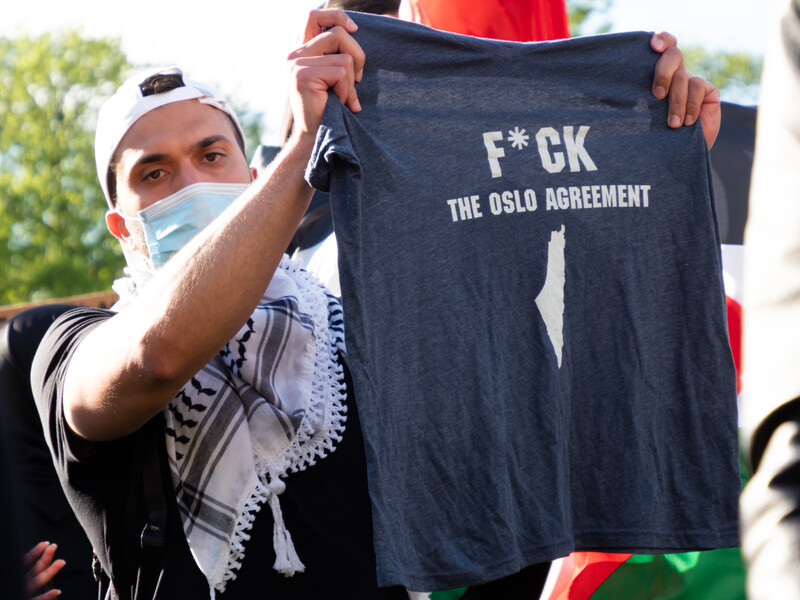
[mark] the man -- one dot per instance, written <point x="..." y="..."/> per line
<point x="169" y="156"/>
<point x="124" y="370"/>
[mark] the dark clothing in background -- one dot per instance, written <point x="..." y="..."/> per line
<point x="43" y="511"/>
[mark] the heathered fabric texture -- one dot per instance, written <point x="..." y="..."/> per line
<point x="535" y="315"/>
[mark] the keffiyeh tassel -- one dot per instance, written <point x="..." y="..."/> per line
<point x="287" y="561"/>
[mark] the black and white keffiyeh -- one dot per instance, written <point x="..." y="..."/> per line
<point x="270" y="403"/>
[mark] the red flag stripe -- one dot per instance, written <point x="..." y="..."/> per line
<point x="513" y="20"/>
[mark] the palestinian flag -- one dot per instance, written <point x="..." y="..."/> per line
<point x="717" y="574"/>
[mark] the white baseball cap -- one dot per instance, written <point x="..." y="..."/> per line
<point x="133" y="100"/>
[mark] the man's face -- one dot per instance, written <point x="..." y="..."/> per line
<point x="173" y="146"/>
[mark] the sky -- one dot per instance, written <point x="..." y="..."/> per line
<point x="241" y="45"/>
<point x="730" y="25"/>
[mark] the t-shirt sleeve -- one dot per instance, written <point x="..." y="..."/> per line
<point x="332" y="147"/>
<point x="48" y="372"/>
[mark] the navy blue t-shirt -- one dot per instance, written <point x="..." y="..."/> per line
<point x="531" y="279"/>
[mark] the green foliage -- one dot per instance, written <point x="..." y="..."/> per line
<point x="53" y="241"/>
<point x="251" y="122"/>
<point x="588" y="17"/>
<point x="737" y="75"/>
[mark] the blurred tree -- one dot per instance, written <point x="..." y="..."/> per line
<point x="588" y="17"/>
<point x="53" y="239"/>
<point x="737" y="75"/>
<point x="52" y="234"/>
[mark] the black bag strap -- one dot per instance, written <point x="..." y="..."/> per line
<point x="155" y="530"/>
<point x="153" y="537"/>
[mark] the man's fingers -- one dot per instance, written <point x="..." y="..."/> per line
<point x="329" y="68"/>
<point x="678" y="97"/>
<point x="34" y="553"/>
<point x="710" y="113"/>
<point x="44" y="560"/>
<point x="318" y="73"/>
<point x="663" y="40"/>
<point x="671" y="79"/>
<point x="42" y="569"/>
<point x="333" y="41"/>
<point x="34" y="583"/>
<point x="320" y="20"/>
<point x="668" y="65"/>
<point x="48" y="595"/>
<point x="694" y="100"/>
<point x="690" y="98"/>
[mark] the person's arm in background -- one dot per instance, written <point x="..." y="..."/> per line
<point x="770" y="503"/>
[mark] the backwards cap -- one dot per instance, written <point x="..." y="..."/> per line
<point x="134" y="100"/>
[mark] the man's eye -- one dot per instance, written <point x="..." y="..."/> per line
<point x="213" y="156"/>
<point x="153" y="175"/>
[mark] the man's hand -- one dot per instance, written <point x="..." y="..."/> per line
<point x="328" y="58"/>
<point x="41" y="570"/>
<point x="690" y="98"/>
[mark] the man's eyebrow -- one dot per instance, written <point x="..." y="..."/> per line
<point x="210" y="141"/>
<point x="199" y="145"/>
<point x="148" y="159"/>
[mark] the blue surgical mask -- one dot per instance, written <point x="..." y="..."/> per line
<point x="170" y="223"/>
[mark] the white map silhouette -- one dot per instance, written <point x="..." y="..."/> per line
<point x="550" y="300"/>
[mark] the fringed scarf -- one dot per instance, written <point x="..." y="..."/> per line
<point x="270" y="403"/>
